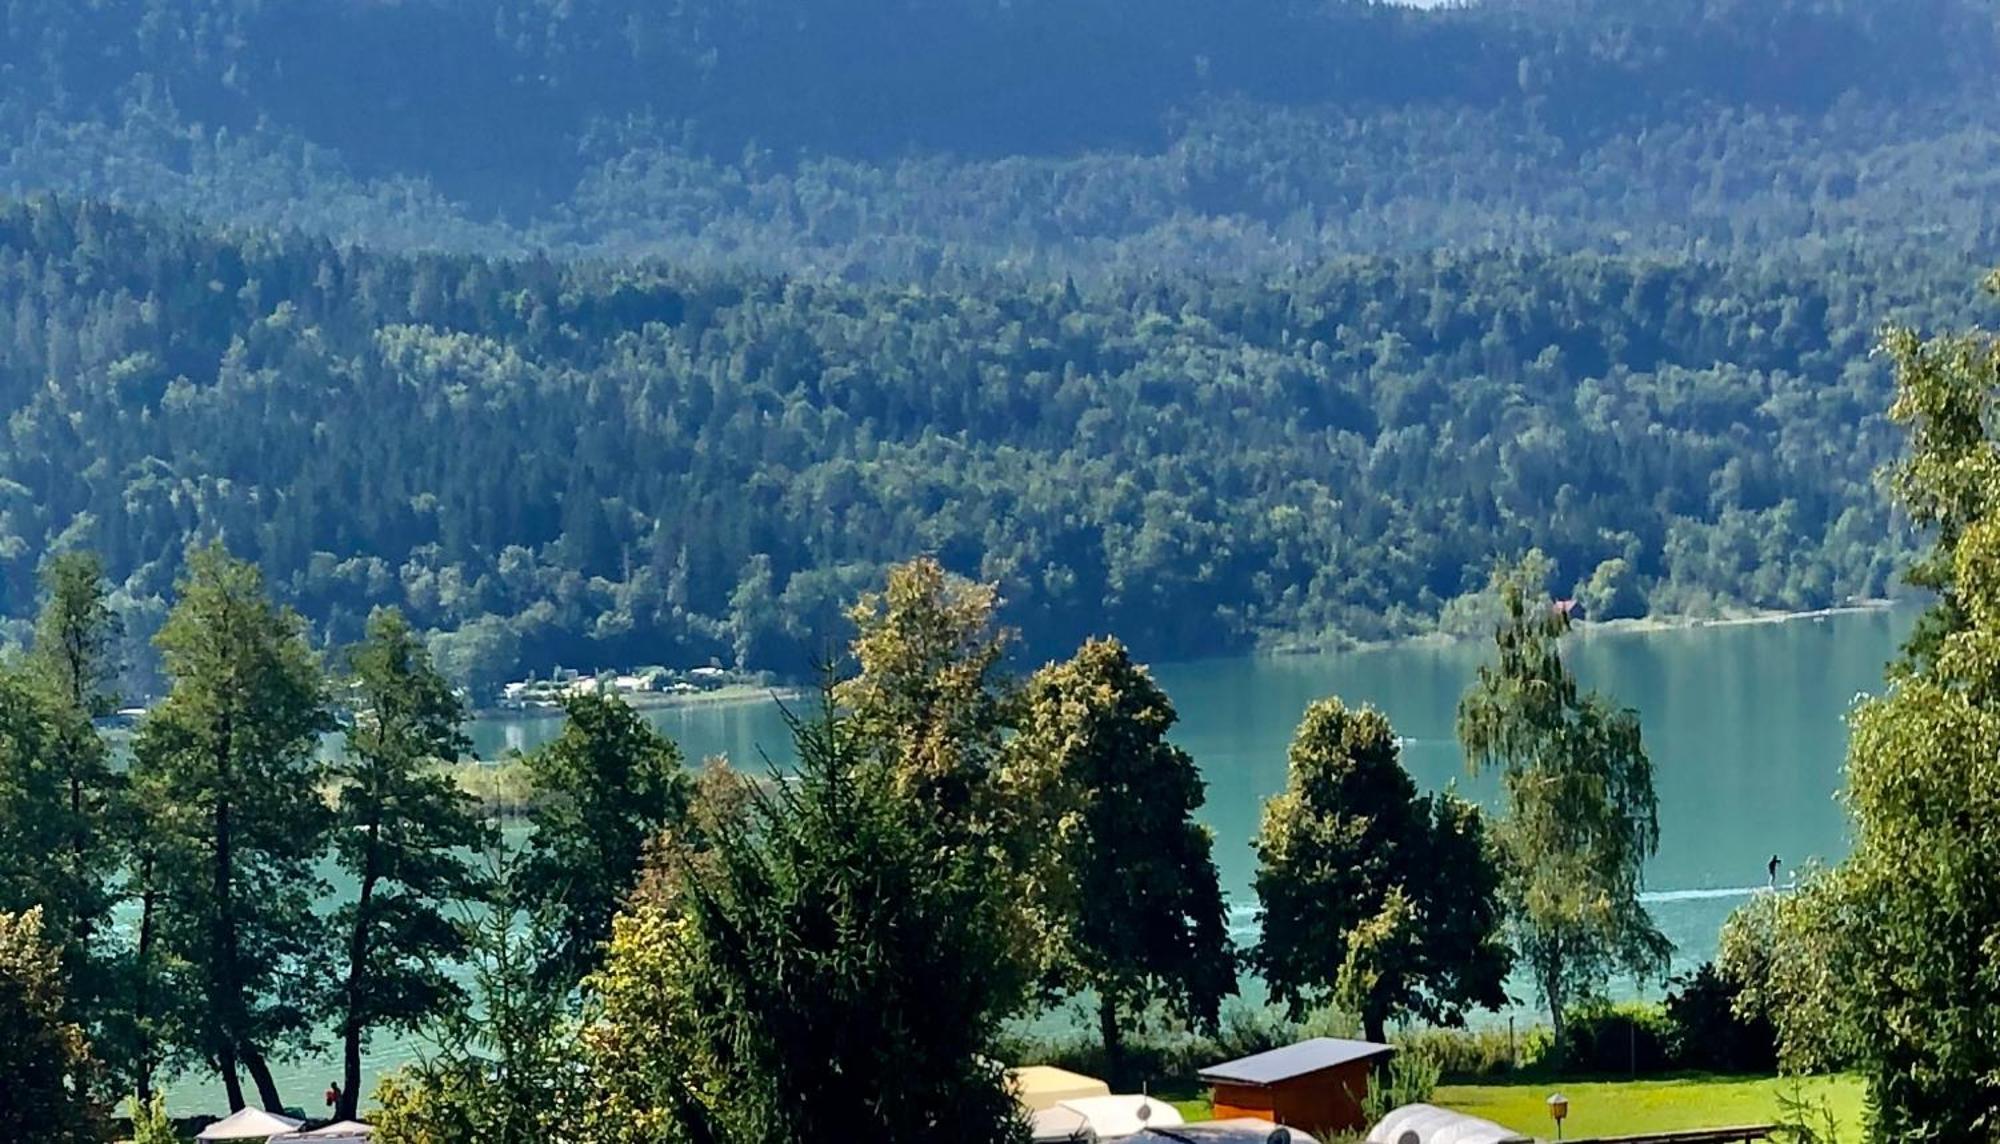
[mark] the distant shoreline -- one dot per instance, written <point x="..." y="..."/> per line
<point x="1587" y="629"/>
<point x="729" y="695"/>
<point x="1670" y="623"/>
<point x="751" y="694"/>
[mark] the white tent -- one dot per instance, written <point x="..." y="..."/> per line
<point x="1236" y="1130"/>
<point x="340" y="1132"/>
<point x="1042" y="1086"/>
<point x="248" y="1124"/>
<point x="1061" y="1126"/>
<point x="1429" y="1124"/>
<point x="1111" y="1116"/>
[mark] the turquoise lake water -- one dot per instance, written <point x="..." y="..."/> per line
<point x="1744" y="724"/>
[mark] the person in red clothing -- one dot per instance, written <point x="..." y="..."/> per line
<point x="333" y="1094"/>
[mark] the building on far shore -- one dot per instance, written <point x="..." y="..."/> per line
<point x="642" y="681"/>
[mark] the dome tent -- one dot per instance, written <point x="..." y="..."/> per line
<point x="1429" y="1124"/>
<point x="249" y="1124"/>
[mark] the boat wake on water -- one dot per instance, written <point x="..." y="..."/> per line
<point x="1653" y="896"/>
<point x="1243" y="917"/>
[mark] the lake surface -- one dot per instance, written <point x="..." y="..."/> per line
<point x="1744" y="723"/>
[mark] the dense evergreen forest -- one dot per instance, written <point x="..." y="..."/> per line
<point x="594" y="464"/>
<point x="601" y="332"/>
<point x="881" y="138"/>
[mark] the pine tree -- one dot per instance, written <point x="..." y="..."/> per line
<point x="608" y="785"/>
<point x="838" y="968"/>
<point x="403" y="831"/>
<point x="229" y="759"/>
<point x="505" y="1067"/>
<point x="73" y="664"/>
<point x="35" y="825"/>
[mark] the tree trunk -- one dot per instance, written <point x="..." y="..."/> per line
<point x="79" y="849"/>
<point x="1114" y="1040"/>
<point x="232" y="1085"/>
<point x="80" y="1001"/>
<point x="1559" y="1048"/>
<point x="1375" y="1024"/>
<point x="350" y="1076"/>
<point x="142" y="1050"/>
<point x="1552" y="988"/>
<point x="79" y="698"/>
<point x="357" y="961"/>
<point x="260" y="1071"/>
<point x="225" y="990"/>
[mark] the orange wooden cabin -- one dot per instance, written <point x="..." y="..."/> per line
<point x="1317" y="1085"/>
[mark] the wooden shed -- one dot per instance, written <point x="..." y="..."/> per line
<point x="1318" y="1085"/>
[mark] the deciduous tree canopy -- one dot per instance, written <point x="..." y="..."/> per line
<point x="1880" y="964"/>
<point x="1120" y="874"/>
<point x="1371" y="895"/>
<point x="1581" y="818"/>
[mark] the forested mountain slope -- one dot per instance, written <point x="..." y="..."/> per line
<point x="597" y="464"/>
<point x="1211" y="322"/>
<point x="882" y="137"/>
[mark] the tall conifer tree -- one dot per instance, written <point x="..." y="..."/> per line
<point x="406" y="834"/>
<point x="231" y="757"/>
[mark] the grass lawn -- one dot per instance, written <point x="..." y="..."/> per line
<point x="1626" y="1107"/>
<point x="1190" y="1097"/>
<point x="1616" y="1108"/>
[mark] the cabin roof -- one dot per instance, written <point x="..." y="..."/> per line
<point x="1278" y="1065"/>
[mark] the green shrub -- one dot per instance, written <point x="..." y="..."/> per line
<point x="1411" y="1077"/>
<point x="1623" y="1040"/>
<point x="1538" y="1046"/>
<point x="150" y="1124"/>
<point x="1468" y="1055"/>
<point x="1708" y="1034"/>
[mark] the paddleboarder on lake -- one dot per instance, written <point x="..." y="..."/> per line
<point x="1773" y="868"/>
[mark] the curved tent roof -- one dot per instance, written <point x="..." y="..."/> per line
<point x="1235" y="1130"/>
<point x="248" y="1124"/>
<point x="1429" y="1124"/>
<point x="341" y="1132"/>
<point x="1038" y="1087"/>
<point x="1060" y="1126"/>
<point x="1110" y="1116"/>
